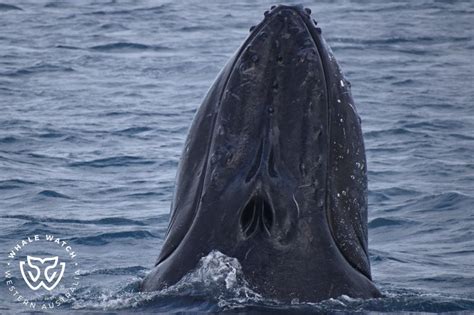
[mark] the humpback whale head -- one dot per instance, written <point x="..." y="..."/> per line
<point x="273" y="171"/>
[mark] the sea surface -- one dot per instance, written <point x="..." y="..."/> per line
<point x="96" y="98"/>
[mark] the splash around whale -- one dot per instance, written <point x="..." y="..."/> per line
<point x="273" y="171"/>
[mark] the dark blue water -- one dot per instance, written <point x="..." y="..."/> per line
<point x="96" y="98"/>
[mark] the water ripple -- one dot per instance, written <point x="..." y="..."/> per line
<point x="116" y="161"/>
<point x="106" y="238"/>
<point x="9" y="7"/>
<point x="52" y="194"/>
<point x="126" y="47"/>
<point x="103" y="221"/>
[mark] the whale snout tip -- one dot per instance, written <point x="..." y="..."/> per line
<point x="295" y="18"/>
<point x="285" y="13"/>
<point x="287" y="10"/>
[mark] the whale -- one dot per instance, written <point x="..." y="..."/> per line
<point x="273" y="171"/>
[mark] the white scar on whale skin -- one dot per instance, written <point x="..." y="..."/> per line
<point x="297" y="206"/>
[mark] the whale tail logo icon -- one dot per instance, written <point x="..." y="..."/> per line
<point x="42" y="272"/>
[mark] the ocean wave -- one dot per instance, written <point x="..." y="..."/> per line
<point x="115" y="161"/>
<point x="106" y="238"/>
<point x="132" y="131"/>
<point x="126" y="47"/>
<point x="9" y="139"/>
<point x="147" y="194"/>
<point x="382" y="195"/>
<point x="400" y="40"/>
<point x="462" y="137"/>
<point x="14" y="184"/>
<point x="37" y="69"/>
<point x="154" y="10"/>
<point x="132" y="270"/>
<point x="116" y="221"/>
<point x="56" y="4"/>
<point x="67" y="47"/>
<point x="382" y="256"/>
<point x="447" y="201"/>
<point x="51" y="135"/>
<point x="113" y="26"/>
<point x="394" y="132"/>
<point x="195" y="28"/>
<point x="435" y="124"/>
<point x="387" y="221"/>
<point x="441" y="203"/>
<point x="52" y="194"/>
<point x="409" y="82"/>
<point x="9" y="7"/>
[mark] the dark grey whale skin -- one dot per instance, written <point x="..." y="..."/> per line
<point x="273" y="171"/>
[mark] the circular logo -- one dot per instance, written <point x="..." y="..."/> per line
<point x="42" y="272"/>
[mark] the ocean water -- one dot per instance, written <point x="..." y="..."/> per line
<point x="96" y="98"/>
